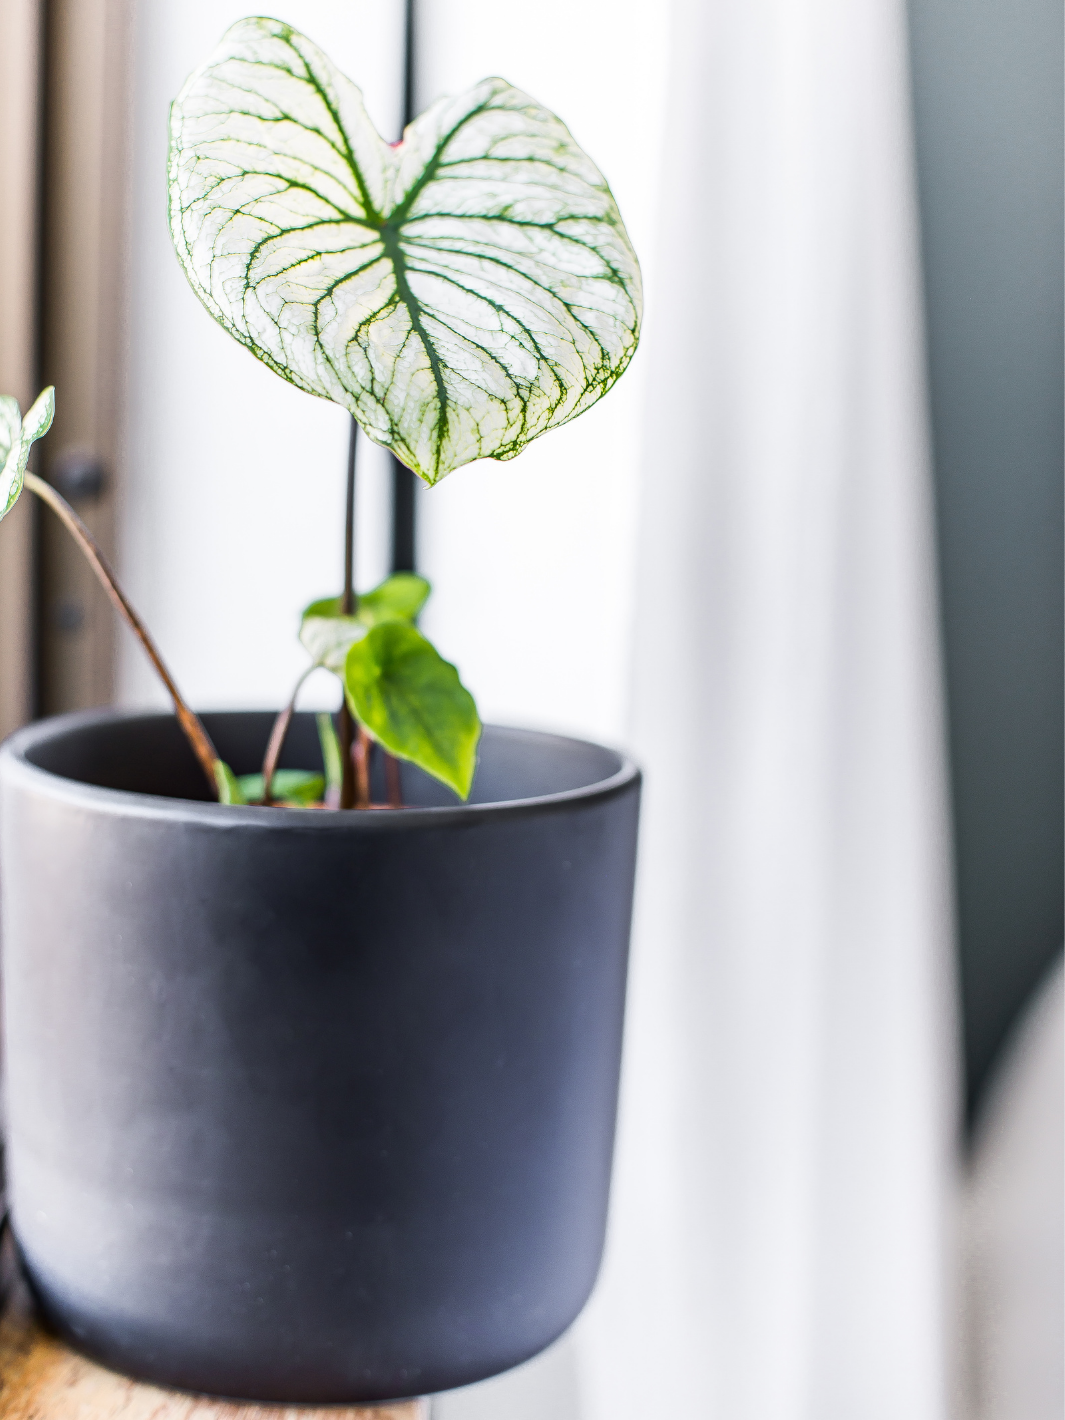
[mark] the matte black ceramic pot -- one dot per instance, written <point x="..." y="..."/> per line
<point x="306" y="1106"/>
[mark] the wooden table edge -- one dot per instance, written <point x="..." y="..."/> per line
<point x="41" y="1378"/>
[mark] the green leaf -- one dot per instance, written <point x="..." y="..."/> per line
<point x="229" y="790"/>
<point x="331" y="759"/>
<point x="411" y="700"/>
<point x="298" y="786"/>
<point x="460" y="293"/>
<point x="16" y="437"/>
<point x="398" y="598"/>
<point x="327" y="634"/>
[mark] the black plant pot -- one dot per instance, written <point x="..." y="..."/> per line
<point x="307" y="1106"/>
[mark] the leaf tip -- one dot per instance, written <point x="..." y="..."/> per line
<point x="229" y="790"/>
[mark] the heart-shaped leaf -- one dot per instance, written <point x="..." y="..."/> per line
<point x="327" y="633"/>
<point x="459" y="293"/>
<point x="411" y="700"/>
<point x="16" y="437"/>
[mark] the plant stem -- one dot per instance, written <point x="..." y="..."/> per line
<point x="346" y="735"/>
<point x="277" y="738"/>
<point x="393" y="783"/>
<point x="189" y="721"/>
<point x="345" y="727"/>
<point x="360" y="755"/>
<point x="348" y="601"/>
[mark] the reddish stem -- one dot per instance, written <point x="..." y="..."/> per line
<point x="360" y="755"/>
<point x="189" y="721"/>
<point x="277" y="739"/>
<point x="393" y="782"/>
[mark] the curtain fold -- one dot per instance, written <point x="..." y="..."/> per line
<point x="779" y="1245"/>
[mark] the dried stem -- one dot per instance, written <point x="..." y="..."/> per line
<point x="277" y="738"/>
<point x="189" y="721"/>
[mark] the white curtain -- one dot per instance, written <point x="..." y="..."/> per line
<point x="779" y="1241"/>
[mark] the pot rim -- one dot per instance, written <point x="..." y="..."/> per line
<point x="16" y="765"/>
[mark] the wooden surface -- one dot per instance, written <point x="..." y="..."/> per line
<point x="41" y="1379"/>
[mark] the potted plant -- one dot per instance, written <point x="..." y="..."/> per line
<point x="313" y="1028"/>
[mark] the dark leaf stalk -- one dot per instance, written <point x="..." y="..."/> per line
<point x="346" y="728"/>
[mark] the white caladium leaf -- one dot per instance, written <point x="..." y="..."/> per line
<point x="16" y="437"/>
<point x="460" y="292"/>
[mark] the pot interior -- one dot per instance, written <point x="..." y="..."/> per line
<point x="148" y="754"/>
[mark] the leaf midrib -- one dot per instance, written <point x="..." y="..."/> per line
<point x="390" y="238"/>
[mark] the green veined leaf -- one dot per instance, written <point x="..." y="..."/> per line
<point x="16" y="437"/>
<point x="297" y="786"/>
<point x="331" y="759"/>
<point x="411" y="700"/>
<point x="229" y="790"/>
<point x="460" y="293"/>
<point x="327" y="634"/>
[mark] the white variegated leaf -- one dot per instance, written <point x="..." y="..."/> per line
<point x="460" y="292"/>
<point x="327" y="635"/>
<point x="10" y="448"/>
<point x="17" y="435"/>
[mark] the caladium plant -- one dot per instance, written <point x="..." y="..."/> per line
<point x="459" y="292"/>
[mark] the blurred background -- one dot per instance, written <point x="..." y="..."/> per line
<point x="805" y="560"/>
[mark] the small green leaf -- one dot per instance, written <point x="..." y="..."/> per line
<point x="327" y="738"/>
<point x="460" y="292"/>
<point x="327" y="634"/>
<point x="229" y="790"/>
<point x="297" y="786"/>
<point x="16" y="437"/>
<point x="411" y="700"/>
<point x="39" y="416"/>
<point x="324" y="607"/>
<point x="398" y="598"/>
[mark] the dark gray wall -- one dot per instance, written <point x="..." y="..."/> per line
<point x="989" y="112"/>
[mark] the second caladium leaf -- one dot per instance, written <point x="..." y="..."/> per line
<point x="460" y="293"/>
<point x="327" y="633"/>
<point x="16" y="437"/>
